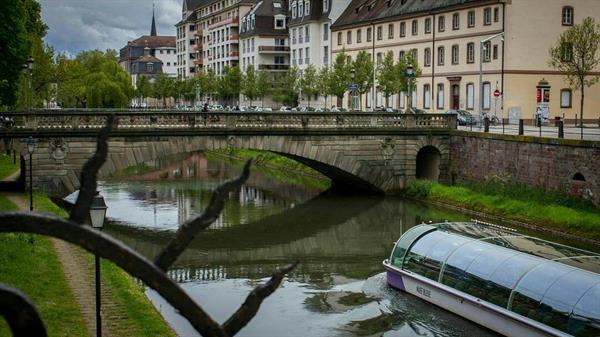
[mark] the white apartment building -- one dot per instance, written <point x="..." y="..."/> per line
<point x="186" y="40"/>
<point x="310" y="34"/>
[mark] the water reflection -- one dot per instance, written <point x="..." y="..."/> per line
<point x="338" y="289"/>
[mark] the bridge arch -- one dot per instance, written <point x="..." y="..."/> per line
<point x="429" y="159"/>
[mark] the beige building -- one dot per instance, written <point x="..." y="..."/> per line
<point x="446" y="38"/>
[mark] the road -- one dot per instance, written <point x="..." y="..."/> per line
<point x="590" y="132"/>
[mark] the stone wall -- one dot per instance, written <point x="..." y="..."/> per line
<point x="551" y="164"/>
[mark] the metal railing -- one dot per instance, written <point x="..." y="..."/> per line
<point x="177" y="120"/>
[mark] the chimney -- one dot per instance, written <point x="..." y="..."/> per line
<point x="146" y="51"/>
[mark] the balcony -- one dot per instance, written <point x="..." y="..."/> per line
<point x="231" y="21"/>
<point x="234" y="36"/>
<point x="234" y="54"/>
<point x="199" y="61"/>
<point x="273" y="49"/>
<point x="198" y="47"/>
<point x="198" y="32"/>
<point x="273" y="66"/>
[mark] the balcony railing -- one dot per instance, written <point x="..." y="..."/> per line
<point x="234" y="36"/>
<point x="235" y="21"/>
<point x="273" y="48"/>
<point x="234" y="53"/>
<point x="199" y="61"/>
<point x="274" y="66"/>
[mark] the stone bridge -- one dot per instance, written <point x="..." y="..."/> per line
<point x="373" y="152"/>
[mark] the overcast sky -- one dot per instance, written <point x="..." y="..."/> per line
<point x="76" y="25"/>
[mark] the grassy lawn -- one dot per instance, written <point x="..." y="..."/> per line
<point x="6" y="165"/>
<point x="29" y="263"/>
<point x="515" y="202"/>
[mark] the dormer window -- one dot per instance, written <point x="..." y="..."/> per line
<point x="306" y="8"/>
<point x="300" y="8"/>
<point x="293" y="10"/>
<point x="253" y="21"/>
<point x="325" y="5"/>
<point x="279" y="22"/>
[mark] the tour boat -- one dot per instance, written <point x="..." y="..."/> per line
<point x="513" y="284"/>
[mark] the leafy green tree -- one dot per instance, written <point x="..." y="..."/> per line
<point x="69" y="79"/>
<point x="263" y="85"/>
<point x="576" y="54"/>
<point x="250" y="83"/>
<point x="340" y="76"/>
<point x="209" y="83"/>
<point x="388" y="81"/>
<point x="144" y="88"/>
<point x="164" y="87"/>
<point x="323" y="83"/>
<point x="363" y="74"/>
<point x="286" y="91"/>
<point x="309" y="82"/>
<point x="229" y="84"/>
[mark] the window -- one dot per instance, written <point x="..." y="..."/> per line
<point x="306" y="34"/>
<point x="567" y="52"/>
<point x="294" y="10"/>
<point x="471" y="19"/>
<point x="487" y="51"/>
<point x="440" y="96"/>
<point x="307" y="54"/>
<point x="470" y="96"/>
<point x="487" y="92"/>
<point x="402" y="100"/>
<point x="325" y="5"/>
<point x="339" y="39"/>
<point x="441" y="23"/>
<point x="455" y="54"/>
<point x="471" y="52"/>
<point x="279" y="23"/>
<point x="279" y="59"/>
<point x="426" y="96"/>
<point x="415" y="27"/>
<point x="294" y="36"/>
<point x="391" y="31"/>
<point x="379" y="33"/>
<point x="369" y="34"/>
<point x="567" y="16"/>
<point x="325" y="55"/>
<point x="441" y="56"/>
<point x="349" y="37"/>
<point x="427" y="25"/>
<point x="402" y="29"/>
<point x="427" y="57"/>
<point x="496" y="14"/>
<point x="487" y="16"/>
<point x="294" y="57"/>
<point x="300" y="57"/>
<point x="307" y="8"/>
<point x="150" y="67"/>
<point x="359" y="36"/>
<point x="495" y="52"/>
<point x="379" y="58"/>
<point x="401" y="55"/>
<point x="566" y="98"/>
<point x="326" y="32"/>
<point x="300" y="8"/>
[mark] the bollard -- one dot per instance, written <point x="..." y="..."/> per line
<point x="486" y="124"/>
<point x="575" y="120"/>
<point x="520" y="127"/>
<point x="561" y="129"/>
<point x="14" y="157"/>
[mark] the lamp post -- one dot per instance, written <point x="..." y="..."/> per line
<point x="30" y="149"/>
<point x="353" y="91"/>
<point x="410" y="74"/>
<point x="28" y="66"/>
<point x="97" y="216"/>
<point x="481" y="50"/>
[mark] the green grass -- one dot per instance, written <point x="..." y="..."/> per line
<point x="29" y="263"/>
<point x="6" y="165"/>
<point x="516" y="202"/>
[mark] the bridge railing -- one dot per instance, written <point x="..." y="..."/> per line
<point x="55" y="120"/>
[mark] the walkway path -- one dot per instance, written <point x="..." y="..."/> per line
<point x="79" y="272"/>
<point x="589" y="132"/>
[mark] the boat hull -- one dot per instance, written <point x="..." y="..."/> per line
<point x="479" y="311"/>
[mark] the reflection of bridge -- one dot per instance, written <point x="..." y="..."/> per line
<point x="364" y="151"/>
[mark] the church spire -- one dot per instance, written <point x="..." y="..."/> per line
<point x="153" y="29"/>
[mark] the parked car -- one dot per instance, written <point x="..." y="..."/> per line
<point x="320" y="110"/>
<point x="285" y="109"/>
<point x="267" y="109"/>
<point x="463" y="117"/>
<point x="217" y="107"/>
<point x="415" y="111"/>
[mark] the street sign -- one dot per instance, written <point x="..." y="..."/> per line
<point x="496" y="93"/>
<point x="353" y="86"/>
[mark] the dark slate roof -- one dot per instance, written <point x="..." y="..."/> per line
<point x="362" y="11"/>
<point x="147" y="58"/>
<point x="264" y="12"/>
<point x="153" y="41"/>
<point x="316" y="13"/>
<point x="191" y="5"/>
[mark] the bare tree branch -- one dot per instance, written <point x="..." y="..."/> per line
<point x="188" y="230"/>
<point x="250" y="307"/>
<point x="89" y="174"/>
<point x="129" y="260"/>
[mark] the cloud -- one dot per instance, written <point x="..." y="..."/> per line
<point x="76" y="25"/>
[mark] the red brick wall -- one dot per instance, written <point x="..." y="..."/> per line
<point x="546" y="163"/>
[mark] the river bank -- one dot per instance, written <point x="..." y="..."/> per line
<point x="518" y="205"/>
<point x="48" y="270"/>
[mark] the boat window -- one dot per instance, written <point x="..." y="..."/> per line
<point x="585" y="320"/>
<point x="506" y="276"/>
<point x="485" y="264"/>
<point x="562" y="296"/>
<point x="464" y="256"/>
<point x="406" y="241"/>
<point x="416" y="260"/>
<point x="533" y="286"/>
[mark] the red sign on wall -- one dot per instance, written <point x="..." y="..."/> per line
<point x="539" y="95"/>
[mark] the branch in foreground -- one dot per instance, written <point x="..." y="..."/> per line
<point x="250" y="307"/>
<point x="89" y="174"/>
<point x="188" y="230"/>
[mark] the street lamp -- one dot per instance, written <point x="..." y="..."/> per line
<point x="353" y="91"/>
<point x="30" y="149"/>
<point x="97" y="216"/>
<point x="481" y="49"/>
<point x="410" y="74"/>
<point x="29" y="67"/>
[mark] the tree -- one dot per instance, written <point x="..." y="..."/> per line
<point x="323" y="82"/>
<point x="144" y="88"/>
<point x="209" y="83"/>
<point x="309" y="82"/>
<point x="250" y="83"/>
<point x="363" y="74"/>
<point x="229" y="84"/>
<point x="406" y="84"/>
<point x="576" y="54"/>
<point x="387" y="78"/>
<point x="340" y="76"/>
<point x="164" y="87"/>
<point x="287" y="86"/>
<point x="263" y="85"/>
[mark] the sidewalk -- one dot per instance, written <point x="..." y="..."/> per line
<point x="589" y="133"/>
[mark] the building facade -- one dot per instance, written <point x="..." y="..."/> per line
<point x="264" y="42"/>
<point x="447" y="39"/>
<point x="186" y="40"/>
<point x="310" y="35"/>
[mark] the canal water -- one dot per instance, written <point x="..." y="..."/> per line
<point x="339" y="288"/>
